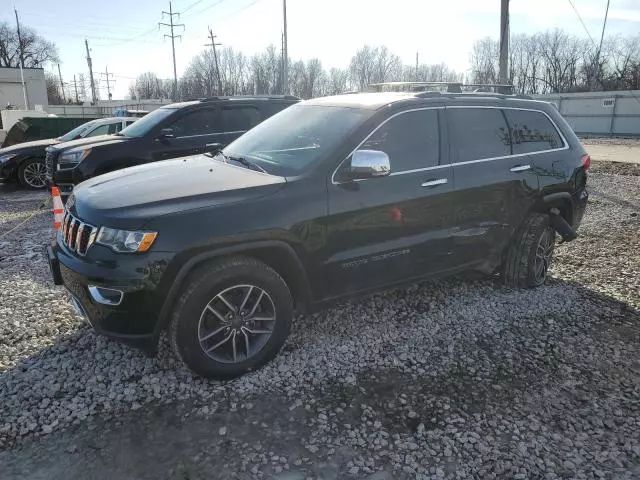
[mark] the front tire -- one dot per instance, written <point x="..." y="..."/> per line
<point x="32" y="174"/>
<point x="529" y="257"/>
<point x="233" y="316"/>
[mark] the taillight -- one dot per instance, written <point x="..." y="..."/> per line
<point x="586" y="161"/>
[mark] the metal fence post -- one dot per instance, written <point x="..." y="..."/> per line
<point x="613" y="116"/>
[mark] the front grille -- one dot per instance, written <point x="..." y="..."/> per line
<point x="77" y="235"/>
<point x="49" y="163"/>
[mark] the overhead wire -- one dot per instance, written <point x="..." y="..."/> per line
<point x="637" y="99"/>
<point x="582" y="22"/>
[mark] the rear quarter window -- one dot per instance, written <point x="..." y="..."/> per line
<point x="532" y="131"/>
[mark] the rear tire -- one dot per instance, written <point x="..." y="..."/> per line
<point x="231" y="299"/>
<point x="32" y="174"/>
<point x="529" y="256"/>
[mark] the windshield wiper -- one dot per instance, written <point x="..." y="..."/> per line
<point x="244" y="161"/>
<point x="118" y="134"/>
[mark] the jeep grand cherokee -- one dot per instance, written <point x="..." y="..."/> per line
<point x="328" y="198"/>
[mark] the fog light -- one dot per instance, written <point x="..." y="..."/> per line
<point x="106" y="296"/>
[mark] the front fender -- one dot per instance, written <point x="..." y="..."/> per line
<point x="289" y="266"/>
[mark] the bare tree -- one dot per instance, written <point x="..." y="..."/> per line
<point x="484" y="61"/>
<point x="148" y="85"/>
<point x="623" y="70"/>
<point x="37" y="51"/>
<point x="54" y="93"/>
<point x="337" y="81"/>
<point x="374" y="65"/>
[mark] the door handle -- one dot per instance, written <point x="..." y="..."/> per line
<point x="433" y="183"/>
<point x="520" y="168"/>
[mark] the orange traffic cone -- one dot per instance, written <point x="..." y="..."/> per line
<point x="58" y="209"/>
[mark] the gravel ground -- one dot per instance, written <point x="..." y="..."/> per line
<point x="627" y="142"/>
<point x="455" y="379"/>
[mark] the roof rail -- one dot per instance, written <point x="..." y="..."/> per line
<point x="452" y="87"/>
<point x="232" y="97"/>
<point x="466" y="94"/>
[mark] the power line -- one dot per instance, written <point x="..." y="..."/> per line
<point x="171" y="25"/>
<point x="189" y="7"/>
<point x="218" y="2"/>
<point x="582" y="22"/>
<point x="85" y="17"/>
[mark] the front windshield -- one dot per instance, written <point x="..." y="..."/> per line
<point x="141" y="127"/>
<point x="78" y="131"/>
<point x="296" y="137"/>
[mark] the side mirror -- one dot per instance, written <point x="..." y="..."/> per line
<point x="369" y="164"/>
<point x="167" y="133"/>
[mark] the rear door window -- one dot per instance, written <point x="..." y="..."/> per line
<point x="115" y="127"/>
<point x="238" y="119"/>
<point x="479" y="133"/>
<point x="412" y="140"/>
<point x="532" y="131"/>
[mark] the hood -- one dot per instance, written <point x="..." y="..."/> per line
<point x="25" y="146"/>
<point x="130" y="197"/>
<point x="91" y="141"/>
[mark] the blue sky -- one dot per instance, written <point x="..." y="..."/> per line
<point x="332" y="30"/>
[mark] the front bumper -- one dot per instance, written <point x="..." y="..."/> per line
<point x="134" y="319"/>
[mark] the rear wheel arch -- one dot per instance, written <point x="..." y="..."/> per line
<point x="278" y="255"/>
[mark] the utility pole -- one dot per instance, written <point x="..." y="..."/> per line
<point x="171" y="25"/>
<point x="108" y="80"/>
<point x="504" y="42"/>
<point x="93" y="83"/>
<point x="597" y="62"/>
<point x="286" y="50"/>
<point x="64" y="98"/>
<point x="213" y="45"/>
<point x="75" y="86"/>
<point x="24" y="86"/>
<point x="416" y="66"/>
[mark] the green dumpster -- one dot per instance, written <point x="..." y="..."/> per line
<point x="40" y="128"/>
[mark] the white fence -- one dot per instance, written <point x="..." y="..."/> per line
<point x="100" y="111"/>
<point x="609" y="114"/>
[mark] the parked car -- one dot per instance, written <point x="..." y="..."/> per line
<point x="171" y="131"/>
<point x="331" y="197"/>
<point x="25" y="163"/>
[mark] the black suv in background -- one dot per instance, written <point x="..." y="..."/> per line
<point x="25" y="162"/>
<point x="330" y="197"/>
<point x="172" y="131"/>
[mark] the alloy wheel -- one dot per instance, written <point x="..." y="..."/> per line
<point x="236" y="324"/>
<point x="35" y="175"/>
<point x="544" y="251"/>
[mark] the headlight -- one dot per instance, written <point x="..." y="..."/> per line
<point x="125" y="240"/>
<point x="6" y="158"/>
<point x="73" y="157"/>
